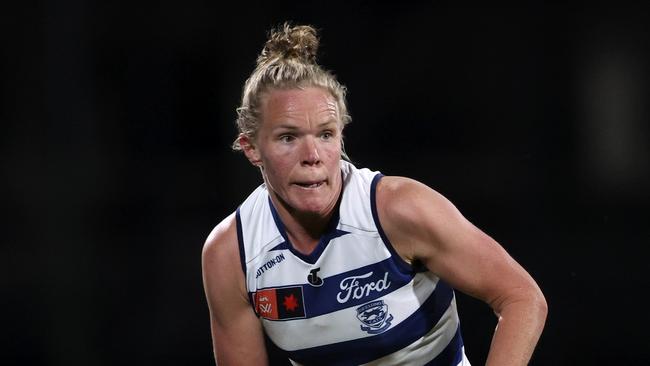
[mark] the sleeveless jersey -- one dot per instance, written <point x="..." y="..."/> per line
<point x="353" y="300"/>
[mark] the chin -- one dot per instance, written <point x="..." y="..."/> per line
<point x="311" y="207"/>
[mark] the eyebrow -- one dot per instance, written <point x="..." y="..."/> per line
<point x="292" y="127"/>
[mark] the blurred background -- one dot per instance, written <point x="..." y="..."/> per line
<point x="117" y="117"/>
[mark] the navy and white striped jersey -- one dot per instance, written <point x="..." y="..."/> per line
<point x="353" y="300"/>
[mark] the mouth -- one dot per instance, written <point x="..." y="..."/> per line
<point x="310" y="185"/>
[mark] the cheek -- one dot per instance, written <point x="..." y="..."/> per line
<point x="333" y="151"/>
<point x="277" y="166"/>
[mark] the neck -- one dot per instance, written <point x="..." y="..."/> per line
<point x="304" y="229"/>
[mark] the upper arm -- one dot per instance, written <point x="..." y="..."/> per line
<point x="236" y="331"/>
<point x="423" y="225"/>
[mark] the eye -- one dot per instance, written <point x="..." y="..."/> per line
<point x="327" y="135"/>
<point x="286" y="138"/>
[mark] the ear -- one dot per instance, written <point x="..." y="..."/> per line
<point x="250" y="150"/>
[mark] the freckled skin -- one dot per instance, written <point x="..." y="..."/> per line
<point x="298" y="146"/>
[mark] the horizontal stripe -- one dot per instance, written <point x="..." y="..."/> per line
<point x="427" y="347"/>
<point x="351" y="287"/>
<point x="359" y="351"/>
<point x="452" y="354"/>
<point x="342" y="255"/>
<point x="344" y="325"/>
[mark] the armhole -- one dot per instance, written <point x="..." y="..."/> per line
<point x="242" y="257"/>
<point x="401" y="263"/>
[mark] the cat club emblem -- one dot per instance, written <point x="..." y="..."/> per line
<point x="374" y="316"/>
<point x="313" y="278"/>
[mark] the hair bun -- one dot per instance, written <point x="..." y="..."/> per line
<point x="291" y="42"/>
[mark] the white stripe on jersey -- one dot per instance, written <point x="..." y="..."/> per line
<point x="405" y="301"/>
<point x="418" y="350"/>
<point x="331" y="316"/>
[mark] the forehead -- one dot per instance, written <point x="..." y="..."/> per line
<point x="295" y="103"/>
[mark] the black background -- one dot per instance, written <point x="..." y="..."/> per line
<point x="117" y="119"/>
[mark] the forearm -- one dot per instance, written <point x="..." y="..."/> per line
<point x="518" y="330"/>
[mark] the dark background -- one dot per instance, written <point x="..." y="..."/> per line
<point x="117" y="119"/>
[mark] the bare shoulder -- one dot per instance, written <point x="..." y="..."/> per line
<point x="221" y="238"/>
<point x="405" y="201"/>
<point x="220" y="259"/>
<point x="236" y="331"/>
<point x="416" y="218"/>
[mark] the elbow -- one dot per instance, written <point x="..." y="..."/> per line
<point x="535" y="308"/>
<point x="528" y="303"/>
<point x="537" y="305"/>
<point x="540" y="306"/>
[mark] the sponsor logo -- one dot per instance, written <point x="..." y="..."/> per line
<point x="268" y="265"/>
<point x="358" y="287"/>
<point x="313" y="278"/>
<point x="280" y="303"/>
<point x="374" y="316"/>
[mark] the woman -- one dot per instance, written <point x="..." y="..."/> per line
<point x="340" y="265"/>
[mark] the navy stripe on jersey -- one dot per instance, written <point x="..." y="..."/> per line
<point x="373" y="205"/>
<point x="240" y="240"/>
<point x="323" y="300"/>
<point x="242" y="251"/>
<point x="329" y="234"/>
<point x="452" y="354"/>
<point x="364" y="350"/>
<point x="326" y="238"/>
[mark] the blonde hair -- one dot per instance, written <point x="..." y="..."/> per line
<point x="288" y="60"/>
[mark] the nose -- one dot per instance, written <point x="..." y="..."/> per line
<point x="311" y="156"/>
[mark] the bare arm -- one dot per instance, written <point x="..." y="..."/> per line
<point x="237" y="333"/>
<point x="424" y="225"/>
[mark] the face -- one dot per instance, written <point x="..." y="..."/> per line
<point x="298" y="147"/>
